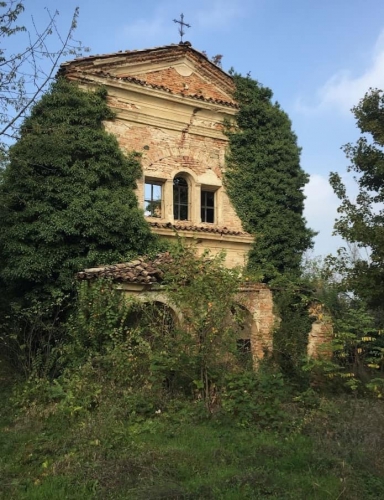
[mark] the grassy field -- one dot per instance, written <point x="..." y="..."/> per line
<point x="335" y="451"/>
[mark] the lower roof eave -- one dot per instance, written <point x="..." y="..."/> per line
<point x="201" y="234"/>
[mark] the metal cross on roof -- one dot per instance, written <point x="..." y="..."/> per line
<point x="182" y="24"/>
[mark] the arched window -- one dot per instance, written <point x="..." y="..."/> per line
<point x="180" y="198"/>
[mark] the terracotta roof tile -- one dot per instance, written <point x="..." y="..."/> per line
<point x="180" y="226"/>
<point x="86" y="64"/>
<point x="146" y="271"/>
<point x="142" y="270"/>
<point x="180" y="47"/>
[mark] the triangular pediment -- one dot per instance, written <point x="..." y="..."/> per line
<point x="178" y="69"/>
<point x="183" y="66"/>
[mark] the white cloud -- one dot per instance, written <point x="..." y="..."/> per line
<point x="344" y="89"/>
<point x="321" y="201"/>
<point x="321" y="211"/>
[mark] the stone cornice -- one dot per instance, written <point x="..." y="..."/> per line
<point x="165" y="123"/>
<point x="158" y="101"/>
<point x="244" y="238"/>
<point x="210" y="104"/>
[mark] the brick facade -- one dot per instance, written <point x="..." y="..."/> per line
<point x="321" y="333"/>
<point x="170" y="104"/>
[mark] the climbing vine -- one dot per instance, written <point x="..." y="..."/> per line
<point x="265" y="181"/>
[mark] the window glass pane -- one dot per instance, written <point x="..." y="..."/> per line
<point x="180" y="198"/>
<point x="180" y="181"/>
<point x="183" y="212"/>
<point x="148" y="191"/>
<point x="208" y="206"/>
<point x="183" y="195"/>
<point x="210" y="198"/>
<point x="156" y="192"/>
<point x="210" y="215"/>
<point x="152" y="200"/>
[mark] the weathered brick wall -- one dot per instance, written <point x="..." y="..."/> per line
<point x="258" y="300"/>
<point x="155" y="145"/>
<point x="255" y="298"/>
<point x="319" y="339"/>
<point x="321" y="333"/>
<point x="170" y="104"/>
<point x="188" y="85"/>
<point x="166" y="152"/>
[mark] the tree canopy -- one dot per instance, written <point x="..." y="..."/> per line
<point x="361" y="222"/>
<point x="67" y="197"/>
<point x="265" y="181"/>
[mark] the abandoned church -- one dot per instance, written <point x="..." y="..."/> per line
<point x="170" y="104"/>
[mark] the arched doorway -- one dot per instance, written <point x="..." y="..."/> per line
<point x="154" y="318"/>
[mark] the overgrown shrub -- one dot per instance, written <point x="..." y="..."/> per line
<point x="256" y="398"/>
<point x="121" y="346"/>
<point x="67" y="202"/>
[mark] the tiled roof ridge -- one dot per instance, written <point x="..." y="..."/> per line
<point x="134" y="51"/>
<point x="183" y="47"/>
<point x="187" y="226"/>
<point x="142" y="270"/>
<point x="163" y="88"/>
<point x="146" y="271"/>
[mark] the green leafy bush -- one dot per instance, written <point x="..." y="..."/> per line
<point x="256" y="398"/>
<point x="265" y="182"/>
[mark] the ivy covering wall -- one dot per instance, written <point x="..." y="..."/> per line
<point x="265" y="181"/>
<point x="67" y="195"/>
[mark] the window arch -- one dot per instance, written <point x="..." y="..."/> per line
<point x="180" y="198"/>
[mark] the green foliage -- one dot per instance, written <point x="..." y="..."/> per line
<point x="182" y="346"/>
<point x="178" y="341"/>
<point x="203" y="292"/>
<point x="30" y="337"/>
<point x="290" y="339"/>
<point x="67" y="196"/>
<point x="256" y="398"/>
<point x="335" y="450"/>
<point x="361" y="222"/>
<point x="357" y="345"/>
<point x="67" y="202"/>
<point x="107" y="352"/>
<point x="129" y="413"/>
<point x="265" y="181"/>
<point x="97" y="322"/>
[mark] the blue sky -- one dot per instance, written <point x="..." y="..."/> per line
<point x="318" y="57"/>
